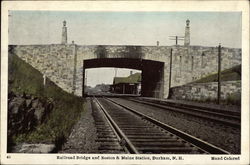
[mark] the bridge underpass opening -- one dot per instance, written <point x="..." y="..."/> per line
<point x="112" y="81"/>
<point x="152" y="73"/>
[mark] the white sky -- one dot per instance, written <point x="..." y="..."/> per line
<point x="123" y="28"/>
<point x="105" y="75"/>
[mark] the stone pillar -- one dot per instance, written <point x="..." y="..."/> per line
<point x="187" y="34"/>
<point x="64" y="33"/>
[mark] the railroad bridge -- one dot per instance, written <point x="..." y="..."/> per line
<point x="65" y="63"/>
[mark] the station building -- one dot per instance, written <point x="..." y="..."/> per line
<point x="127" y="85"/>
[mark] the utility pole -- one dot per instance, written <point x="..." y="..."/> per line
<point x="123" y="89"/>
<point x="219" y="74"/>
<point x="170" y="69"/>
<point x="176" y="38"/>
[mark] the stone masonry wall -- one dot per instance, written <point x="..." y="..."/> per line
<point x="194" y="62"/>
<point x="204" y="91"/>
<point x="63" y="64"/>
<point x="55" y="61"/>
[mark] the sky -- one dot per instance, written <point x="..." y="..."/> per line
<point x="106" y="75"/>
<point x="124" y="28"/>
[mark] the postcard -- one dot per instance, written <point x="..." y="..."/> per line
<point x="126" y="82"/>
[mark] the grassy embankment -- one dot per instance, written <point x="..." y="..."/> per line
<point x="231" y="74"/>
<point x="67" y="108"/>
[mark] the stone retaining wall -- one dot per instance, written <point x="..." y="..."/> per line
<point x="56" y="61"/>
<point x="205" y="91"/>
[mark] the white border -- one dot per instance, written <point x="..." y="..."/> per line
<point x="226" y="6"/>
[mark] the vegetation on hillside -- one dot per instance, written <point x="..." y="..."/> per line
<point x="25" y="79"/>
<point x="231" y="74"/>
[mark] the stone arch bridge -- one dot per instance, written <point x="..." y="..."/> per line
<point x="65" y="64"/>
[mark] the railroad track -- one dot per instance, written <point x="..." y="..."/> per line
<point x="141" y="134"/>
<point x="107" y="137"/>
<point x="228" y="118"/>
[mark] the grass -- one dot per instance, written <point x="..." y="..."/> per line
<point x="231" y="74"/>
<point x="67" y="110"/>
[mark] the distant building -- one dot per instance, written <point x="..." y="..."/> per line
<point x="127" y="85"/>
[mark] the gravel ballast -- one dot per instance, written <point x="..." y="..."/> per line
<point x="224" y="137"/>
<point x="83" y="135"/>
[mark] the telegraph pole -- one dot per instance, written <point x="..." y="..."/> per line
<point x="219" y="74"/>
<point x="176" y="38"/>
